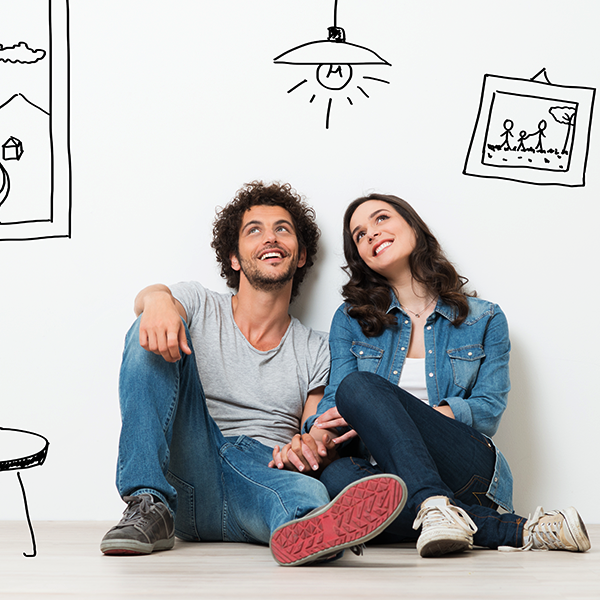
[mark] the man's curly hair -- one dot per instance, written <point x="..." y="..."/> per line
<point x="228" y="222"/>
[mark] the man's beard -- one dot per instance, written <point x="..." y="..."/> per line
<point x="264" y="282"/>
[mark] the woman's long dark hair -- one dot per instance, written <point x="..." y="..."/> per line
<point x="368" y="293"/>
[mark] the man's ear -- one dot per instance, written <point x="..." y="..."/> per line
<point x="302" y="258"/>
<point x="235" y="263"/>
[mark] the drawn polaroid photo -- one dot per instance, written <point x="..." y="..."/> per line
<point x="531" y="131"/>
<point x="35" y="171"/>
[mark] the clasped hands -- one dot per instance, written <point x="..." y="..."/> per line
<point x="310" y="453"/>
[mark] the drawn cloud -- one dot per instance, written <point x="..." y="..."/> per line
<point x="21" y="53"/>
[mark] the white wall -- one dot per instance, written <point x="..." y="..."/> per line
<point x="176" y="104"/>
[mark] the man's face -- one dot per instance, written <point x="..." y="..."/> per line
<point x="268" y="248"/>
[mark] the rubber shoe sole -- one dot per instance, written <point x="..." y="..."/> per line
<point x="438" y="543"/>
<point x="135" y="547"/>
<point x="577" y="529"/>
<point x="357" y="514"/>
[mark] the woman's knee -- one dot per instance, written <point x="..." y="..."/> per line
<point x="353" y="389"/>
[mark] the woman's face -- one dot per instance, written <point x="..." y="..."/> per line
<point x="383" y="238"/>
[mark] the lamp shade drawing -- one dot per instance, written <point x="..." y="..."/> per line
<point x="20" y="450"/>
<point x="334" y="59"/>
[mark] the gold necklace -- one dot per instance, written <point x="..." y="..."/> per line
<point x="418" y="315"/>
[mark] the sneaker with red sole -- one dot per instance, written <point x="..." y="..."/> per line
<point x="357" y="514"/>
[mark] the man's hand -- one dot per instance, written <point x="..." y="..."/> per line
<point x="332" y="419"/>
<point x="161" y="327"/>
<point x="305" y="453"/>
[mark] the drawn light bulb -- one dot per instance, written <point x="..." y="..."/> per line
<point x="334" y="59"/>
<point x="334" y="77"/>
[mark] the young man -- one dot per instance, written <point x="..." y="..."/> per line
<point x="211" y="383"/>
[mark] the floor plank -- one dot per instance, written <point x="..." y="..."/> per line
<point x="70" y="565"/>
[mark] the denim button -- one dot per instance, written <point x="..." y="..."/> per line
<point x="430" y="374"/>
<point x="431" y="351"/>
<point x="428" y="327"/>
<point x="403" y="348"/>
<point x="406" y="322"/>
<point x="395" y="372"/>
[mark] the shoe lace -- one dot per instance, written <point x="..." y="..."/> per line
<point x="137" y="510"/>
<point x="444" y="515"/>
<point x="539" y="536"/>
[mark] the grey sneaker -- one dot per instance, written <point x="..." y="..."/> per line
<point x="146" y="526"/>
<point x="445" y="528"/>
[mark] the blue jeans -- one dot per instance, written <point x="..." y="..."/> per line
<point x="434" y="455"/>
<point x="218" y="489"/>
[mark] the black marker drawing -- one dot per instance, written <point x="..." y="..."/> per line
<point x="334" y="59"/>
<point x="531" y="131"/>
<point x="20" y="450"/>
<point x="35" y="164"/>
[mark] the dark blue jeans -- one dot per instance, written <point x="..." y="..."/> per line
<point x="433" y="454"/>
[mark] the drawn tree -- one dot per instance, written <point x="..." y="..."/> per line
<point x="565" y="115"/>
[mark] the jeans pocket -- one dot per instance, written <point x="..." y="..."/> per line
<point x="185" y="519"/>
<point x="475" y="492"/>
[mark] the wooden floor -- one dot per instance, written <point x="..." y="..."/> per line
<point x="69" y="565"/>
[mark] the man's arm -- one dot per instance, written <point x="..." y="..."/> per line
<point x="162" y="330"/>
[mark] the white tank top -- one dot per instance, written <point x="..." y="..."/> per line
<point x="412" y="378"/>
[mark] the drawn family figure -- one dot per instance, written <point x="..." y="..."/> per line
<point x="523" y="135"/>
<point x="508" y="125"/>
<point x="540" y="133"/>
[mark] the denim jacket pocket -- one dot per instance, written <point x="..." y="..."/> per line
<point x="368" y="357"/>
<point x="465" y="363"/>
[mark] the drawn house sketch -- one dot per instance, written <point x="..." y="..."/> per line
<point x="20" y="450"/>
<point x="35" y="175"/>
<point x="334" y="59"/>
<point x="531" y="131"/>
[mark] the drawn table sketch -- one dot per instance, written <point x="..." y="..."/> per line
<point x="35" y="164"/>
<point x="22" y="450"/>
<point x="531" y="131"/>
<point x="334" y="59"/>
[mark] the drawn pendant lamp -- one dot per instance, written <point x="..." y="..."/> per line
<point x="22" y="450"/>
<point x="334" y="59"/>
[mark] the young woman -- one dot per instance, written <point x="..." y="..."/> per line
<point x="420" y="374"/>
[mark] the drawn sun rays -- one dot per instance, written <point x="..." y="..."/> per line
<point x="334" y="59"/>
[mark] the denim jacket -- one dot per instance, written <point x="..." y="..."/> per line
<point x="466" y="367"/>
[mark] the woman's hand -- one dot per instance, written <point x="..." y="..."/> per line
<point x="445" y="410"/>
<point x="331" y="419"/>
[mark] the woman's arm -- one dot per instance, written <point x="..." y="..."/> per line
<point x="343" y="362"/>
<point x="485" y="405"/>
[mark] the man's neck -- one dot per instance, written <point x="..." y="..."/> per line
<point x="261" y="316"/>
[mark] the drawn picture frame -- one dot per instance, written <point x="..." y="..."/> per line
<point x="531" y="131"/>
<point x="35" y="160"/>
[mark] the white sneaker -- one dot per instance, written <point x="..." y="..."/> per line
<point x="555" y="530"/>
<point x="445" y="528"/>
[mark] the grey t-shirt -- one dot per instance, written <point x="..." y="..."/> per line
<point x="248" y="391"/>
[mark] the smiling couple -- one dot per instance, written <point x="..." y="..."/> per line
<point x="234" y="429"/>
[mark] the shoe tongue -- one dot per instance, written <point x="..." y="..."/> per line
<point x="436" y="501"/>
